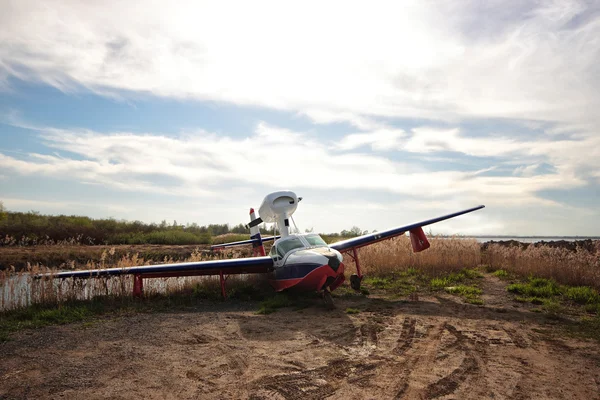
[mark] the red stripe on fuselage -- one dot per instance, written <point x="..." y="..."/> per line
<point x="314" y="280"/>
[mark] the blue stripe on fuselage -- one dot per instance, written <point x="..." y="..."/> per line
<point x="295" y="271"/>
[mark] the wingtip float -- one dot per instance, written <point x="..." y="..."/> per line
<point x="296" y="261"/>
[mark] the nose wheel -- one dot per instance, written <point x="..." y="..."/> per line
<point x="355" y="282"/>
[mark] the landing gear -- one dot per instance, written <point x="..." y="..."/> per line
<point x="327" y="299"/>
<point x="355" y="282"/>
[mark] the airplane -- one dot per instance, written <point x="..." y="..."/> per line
<point x="303" y="262"/>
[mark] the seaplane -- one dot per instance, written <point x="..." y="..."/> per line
<point x="296" y="261"/>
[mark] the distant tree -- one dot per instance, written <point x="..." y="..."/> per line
<point x="239" y="228"/>
<point x="355" y="231"/>
<point x="3" y="213"/>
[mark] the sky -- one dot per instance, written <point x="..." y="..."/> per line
<point x="378" y="113"/>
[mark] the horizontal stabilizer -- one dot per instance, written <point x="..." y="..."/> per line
<point x="243" y="242"/>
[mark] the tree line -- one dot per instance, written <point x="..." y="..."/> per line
<point x="32" y="228"/>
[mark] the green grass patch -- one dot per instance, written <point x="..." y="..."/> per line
<point x="552" y="296"/>
<point x="502" y="274"/>
<point x="399" y="284"/>
<point x="40" y="316"/>
<point x="471" y="273"/>
<point x="206" y="291"/>
<point x="453" y="278"/>
<point x="536" y="287"/>
<point x="352" y="311"/>
<point x="582" y="295"/>
<point x="469" y="293"/>
<point x="464" y="290"/>
<point x="268" y="306"/>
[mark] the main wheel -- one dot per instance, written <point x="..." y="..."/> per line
<point x="355" y="282"/>
<point x="328" y="300"/>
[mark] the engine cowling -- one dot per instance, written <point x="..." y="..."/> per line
<point x="278" y="207"/>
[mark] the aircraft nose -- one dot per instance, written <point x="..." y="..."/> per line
<point x="333" y="262"/>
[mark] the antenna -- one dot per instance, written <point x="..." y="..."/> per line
<point x="294" y="222"/>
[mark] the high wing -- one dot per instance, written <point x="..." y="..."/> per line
<point x="213" y="267"/>
<point x="241" y="242"/>
<point x="414" y="229"/>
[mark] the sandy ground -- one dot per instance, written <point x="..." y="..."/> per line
<point x="430" y="347"/>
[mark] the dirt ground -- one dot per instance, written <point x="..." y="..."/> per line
<point x="418" y="348"/>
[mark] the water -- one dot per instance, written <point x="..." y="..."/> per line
<point x="533" y="239"/>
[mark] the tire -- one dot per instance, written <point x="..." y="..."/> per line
<point x="355" y="282"/>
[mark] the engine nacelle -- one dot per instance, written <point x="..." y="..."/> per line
<point x="278" y="207"/>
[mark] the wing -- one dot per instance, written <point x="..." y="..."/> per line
<point x="415" y="229"/>
<point x="213" y="267"/>
<point x="242" y="242"/>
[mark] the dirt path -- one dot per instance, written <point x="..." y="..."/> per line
<point x="430" y="348"/>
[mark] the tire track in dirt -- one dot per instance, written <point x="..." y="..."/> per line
<point x="406" y="337"/>
<point x="314" y="383"/>
<point x="417" y="362"/>
<point x="443" y="348"/>
<point x="450" y="383"/>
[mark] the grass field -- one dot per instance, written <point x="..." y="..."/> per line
<point x="554" y="280"/>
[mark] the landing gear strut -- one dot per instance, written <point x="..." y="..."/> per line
<point x="327" y="299"/>
<point x="355" y="279"/>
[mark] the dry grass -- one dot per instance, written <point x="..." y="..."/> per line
<point x="20" y="289"/>
<point x="575" y="268"/>
<point x="446" y="255"/>
<point x="396" y="255"/>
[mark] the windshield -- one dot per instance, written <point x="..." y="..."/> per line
<point x="287" y="245"/>
<point x="315" y="240"/>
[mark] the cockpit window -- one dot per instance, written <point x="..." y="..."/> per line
<point x="287" y="245"/>
<point x="315" y="240"/>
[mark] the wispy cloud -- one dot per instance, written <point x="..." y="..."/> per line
<point x="451" y="59"/>
<point x="197" y="164"/>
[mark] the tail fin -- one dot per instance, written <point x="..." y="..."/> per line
<point x="258" y="249"/>
<point x="418" y="240"/>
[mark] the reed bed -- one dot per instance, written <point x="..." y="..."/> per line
<point x="580" y="267"/>
<point x="446" y="254"/>
<point x="22" y="289"/>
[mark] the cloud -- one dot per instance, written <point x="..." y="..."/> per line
<point x="382" y="139"/>
<point x="200" y="164"/>
<point x="443" y="60"/>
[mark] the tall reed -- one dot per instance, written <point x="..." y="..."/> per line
<point x="444" y="255"/>
<point x="577" y="268"/>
